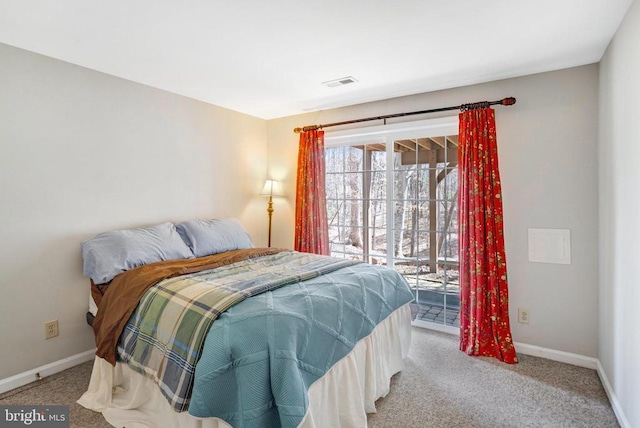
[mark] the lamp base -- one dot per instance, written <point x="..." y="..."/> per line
<point x="270" y="213"/>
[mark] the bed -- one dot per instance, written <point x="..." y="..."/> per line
<point x="197" y="328"/>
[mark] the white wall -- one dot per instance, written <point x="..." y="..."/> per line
<point x="619" y="154"/>
<point x="82" y="152"/>
<point x="548" y="162"/>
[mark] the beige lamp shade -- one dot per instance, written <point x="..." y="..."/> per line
<point x="271" y="188"/>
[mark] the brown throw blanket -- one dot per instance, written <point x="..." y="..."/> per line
<point x="117" y="301"/>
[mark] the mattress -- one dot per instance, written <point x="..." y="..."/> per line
<point x="93" y="308"/>
<point x="341" y="398"/>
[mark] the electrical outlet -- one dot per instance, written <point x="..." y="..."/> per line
<point x="523" y="316"/>
<point x="50" y="329"/>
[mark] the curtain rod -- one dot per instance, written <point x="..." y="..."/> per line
<point x="509" y="101"/>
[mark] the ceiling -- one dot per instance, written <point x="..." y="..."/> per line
<point x="269" y="58"/>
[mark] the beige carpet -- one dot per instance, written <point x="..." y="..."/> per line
<point x="439" y="387"/>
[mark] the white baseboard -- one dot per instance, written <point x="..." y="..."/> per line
<point x="615" y="404"/>
<point x="27" y="377"/>
<point x="554" y="355"/>
<point x="523" y="348"/>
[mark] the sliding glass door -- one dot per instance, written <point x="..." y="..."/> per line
<point x="392" y="201"/>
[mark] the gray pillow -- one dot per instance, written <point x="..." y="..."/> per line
<point x="111" y="253"/>
<point x="206" y="237"/>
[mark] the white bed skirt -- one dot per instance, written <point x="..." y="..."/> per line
<point x="341" y="398"/>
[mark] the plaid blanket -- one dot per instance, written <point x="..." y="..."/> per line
<point x="164" y="336"/>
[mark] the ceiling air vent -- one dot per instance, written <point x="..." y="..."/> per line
<point x="339" y="82"/>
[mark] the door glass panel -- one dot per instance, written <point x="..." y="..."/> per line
<point x="400" y="208"/>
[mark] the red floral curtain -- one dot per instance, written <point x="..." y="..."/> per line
<point x="484" y="296"/>
<point x="312" y="234"/>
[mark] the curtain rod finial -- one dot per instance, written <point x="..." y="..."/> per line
<point x="508" y="101"/>
<point x="297" y="130"/>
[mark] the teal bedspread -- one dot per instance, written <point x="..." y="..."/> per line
<point x="261" y="356"/>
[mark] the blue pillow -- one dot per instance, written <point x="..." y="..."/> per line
<point x="111" y="253"/>
<point x="206" y="237"/>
